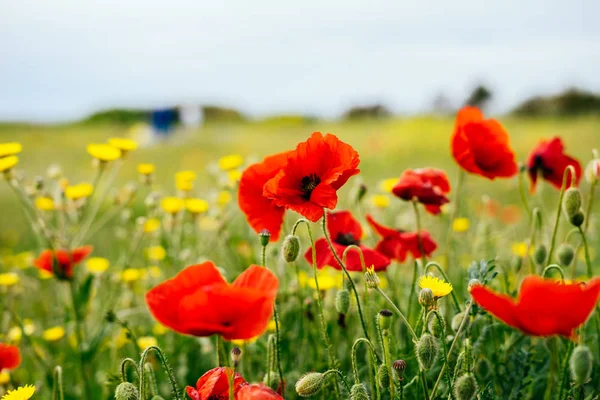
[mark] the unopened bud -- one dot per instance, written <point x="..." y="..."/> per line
<point x="264" y="236"/>
<point x="483" y="368"/>
<point x="291" y="248"/>
<point x="361" y="192"/>
<point x="592" y="171"/>
<point x="371" y="278"/>
<point x="342" y="301"/>
<point x="309" y="384"/>
<point x="383" y="376"/>
<point x="581" y="364"/>
<point x="427" y="351"/>
<point x="236" y="355"/>
<point x="465" y="387"/>
<point x="473" y="283"/>
<point x="436" y="326"/>
<point x="540" y="254"/>
<point x="571" y="202"/>
<point x="126" y="391"/>
<point x="359" y="392"/>
<point x="565" y="254"/>
<point x="426" y="298"/>
<point x="399" y="366"/>
<point x="384" y="319"/>
<point x="577" y="219"/>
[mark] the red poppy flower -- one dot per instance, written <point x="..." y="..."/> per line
<point x="344" y="231"/>
<point x="428" y="185"/>
<point x="314" y="171"/>
<point x="481" y="146"/>
<point x="199" y="302"/>
<point x="544" y="307"/>
<point x="214" y="385"/>
<point x="65" y="261"/>
<point x="10" y="356"/>
<point x="549" y="160"/>
<point x="397" y="244"/>
<point x="257" y="391"/>
<point x="261" y="212"/>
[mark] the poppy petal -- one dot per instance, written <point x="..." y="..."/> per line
<point x="499" y="305"/>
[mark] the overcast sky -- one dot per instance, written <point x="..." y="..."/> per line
<point x="63" y="59"/>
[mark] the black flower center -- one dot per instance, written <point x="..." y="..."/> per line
<point x="538" y="165"/>
<point x="346" y="239"/>
<point x="308" y="184"/>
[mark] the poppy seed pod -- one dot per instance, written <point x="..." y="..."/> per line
<point x="577" y="219"/>
<point x="483" y="368"/>
<point x="236" y="355"/>
<point x="359" y="392"/>
<point x="427" y="351"/>
<point x="342" y="301"/>
<point x="384" y="319"/>
<point x="399" y="366"/>
<point x="436" y="326"/>
<point x="426" y="298"/>
<point x="310" y="384"/>
<point x="383" y="377"/>
<point x="565" y="254"/>
<point x="265" y="237"/>
<point x="126" y="391"/>
<point x="291" y="248"/>
<point x="465" y="387"/>
<point x="571" y="202"/>
<point x="581" y="363"/>
<point x="540" y="254"/>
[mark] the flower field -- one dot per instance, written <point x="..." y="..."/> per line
<point x="420" y="258"/>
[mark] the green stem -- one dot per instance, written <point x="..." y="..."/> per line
<point x="388" y="361"/>
<point x="165" y="364"/>
<point x="124" y="363"/>
<point x="410" y="329"/>
<point x="423" y="383"/>
<point x="342" y="377"/>
<point x="554" y="267"/>
<point x="446" y="353"/>
<point x="419" y="238"/>
<point x="80" y="337"/>
<point x="522" y="192"/>
<point x="57" y="387"/>
<point x="152" y="386"/>
<point x="569" y="172"/>
<point x="459" y="184"/>
<point x="565" y="370"/>
<point x="588" y="261"/>
<point x="441" y="271"/>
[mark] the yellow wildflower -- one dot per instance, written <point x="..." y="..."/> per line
<point x="159" y="329"/>
<point x="10" y="149"/>
<point x="156" y="253"/>
<point x="9" y="279"/>
<point x="97" y="265"/>
<point x="234" y="177"/>
<point x="21" y="393"/>
<point x="103" y="152"/>
<point x="271" y="326"/>
<point x="460" y="225"/>
<point x="145" y="169"/>
<point x="131" y="275"/>
<point x="123" y="144"/>
<point x="151" y="225"/>
<point x="183" y="185"/>
<point x="79" y="191"/>
<point x="185" y="175"/>
<point x="4" y="377"/>
<point x="154" y="272"/>
<point x="224" y="198"/>
<point x="209" y="224"/>
<point x="243" y="342"/>
<point x="6" y="163"/>
<point x="380" y="200"/>
<point x="15" y="333"/>
<point x="23" y="260"/>
<point x="146" y="341"/>
<point x="44" y="203"/>
<point x="388" y="184"/>
<point x="371" y="278"/>
<point x="439" y="287"/>
<point x="519" y="249"/>
<point x="172" y="205"/>
<point x="327" y="278"/>
<point x="196" y="206"/>
<point x="53" y="334"/>
<point x="44" y="274"/>
<point x="230" y="162"/>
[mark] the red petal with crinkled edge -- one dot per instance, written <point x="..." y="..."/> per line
<point x="10" y="356"/>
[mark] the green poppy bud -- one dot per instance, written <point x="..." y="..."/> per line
<point x="456" y="320"/>
<point x="291" y="248"/>
<point x="126" y="391"/>
<point x="359" y="392"/>
<point x="571" y="202"/>
<point x="264" y="237"/>
<point x="577" y="219"/>
<point x="342" y="301"/>
<point x="581" y="363"/>
<point x="427" y="351"/>
<point x="426" y="298"/>
<point x="383" y="377"/>
<point x="565" y="254"/>
<point x="384" y="319"/>
<point x="540" y="254"/>
<point x="483" y="368"/>
<point x="435" y="327"/>
<point x="310" y="384"/>
<point x="465" y="387"/>
<point x="361" y="191"/>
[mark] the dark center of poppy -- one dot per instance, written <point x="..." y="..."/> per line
<point x="538" y="165"/>
<point x="308" y="184"/>
<point x="346" y="239"/>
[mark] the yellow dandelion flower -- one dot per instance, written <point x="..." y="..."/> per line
<point x="159" y="329"/>
<point x="131" y="275"/>
<point x="172" y="205"/>
<point x="209" y="224"/>
<point x="271" y="326"/>
<point x="21" y="393"/>
<point x="184" y="186"/>
<point x="145" y="169"/>
<point x="234" y="177"/>
<point x="123" y="144"/>
<point x="122" y="338"/>
<point x="439" y="287"/>
<point x="326" y="277"/>
<point x="460" y="225"/>
<point x="79" y="191"/>
<point x="154" y="272"/>
<point x="196" y="206"/>
<point x="519" y="249"/>
<point x="6" y="163"/>
<point x="371" y="278"/>
<point x="9" y="279"/>
<point x="44" y="203"/>
<point x="53" y="334"/>
<point x="380" y="200"/>
<point x="4" y="377"/>
<point x="97" y="265"/>
<point x="103" y="152"/>
<point x="388" y="184"/>
<point x="23" y="260"/>
<point x="224" y="198"/>
<point x="43" y="274"/>
<point x="243" y="342"/>
<point x="156" y="253"/>
<point x="146" y="341"/>
<point x="230" y="162"/>
<point x="151" y="225"/>
<point x="185" y="175"/>
<point x="10" y="149"/>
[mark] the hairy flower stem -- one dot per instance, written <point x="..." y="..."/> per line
<point x="166" y="365"/>
<point x="373" y="364"/>
<point x="446" y="354"/>
<point x="569" y="172"/>
<point x="388" y="361"/>
<point x="441" y="271"/>
<point x="588" y="261"/>
<point x="458" y="189"/>
<point x="565" y="370"/>
<point x="80" y="337"/>
<point x="397" y="310"/>
<point x="325" y="335"/>
<point x="523" y="192"/>
<point x="419" y="237"/>
<point x="342" y="377"/>
<point x="57" y="387"/>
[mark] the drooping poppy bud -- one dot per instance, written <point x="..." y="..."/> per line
<point x="483" y="368"/>
<point x="342" y="301"/>
<point x="581" y="364"/>
<point x="291" y="248"/>
<point x="427" y="351"/>
<point x="540" y="254"/>
<point x="577" y="219"/>
<point x="126" y="391"/>
<point x="384" y="319"/>
<point x="310" y="384"/>
<point x="383" y="377"/>
<point x="565" y="254"/>
<point x="465" y="387"/>
<point x="571" y="202"/>
<point x="359" y="392"/>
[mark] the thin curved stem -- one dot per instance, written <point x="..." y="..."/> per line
<point x="446" y="353"/>
<point x="402" y="317"/>
<point x="354" y="362"/>
<point x="124" y="363"/>
<point x="165" y="363"/>
<point x="342" y="377"/>
<point x="569" y="173"/>
<point x="57" y="387"/>
<point x="588" y="261"/>
<point x="553" y="267"/>
<point x="523" y="193"/>
<point x="419" y="237"/>
<point x="441" y="271"/>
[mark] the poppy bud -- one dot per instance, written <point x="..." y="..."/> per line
<point x="571" y="202"/>
<point x="516" y="262"/>
<point x="581" y="363"/>
<point x="236" y="355"/>
<point x="126" y="391"/>
<point x="384" y="319"/>
<point x="264" y="236"/>
<point x="426" y="298"/>
<point x="540" y="253"/>
<point x="592" y="171"/>
<point x="465" y="387"/>
<point x="472" y="283"/>
<point x="342" y="301"/>
<point x="359" y="392"/>
<point x="565" y="254"/>
<point x="361" y="192"/>
<point x="427" y="351"/>
<point x="399" y="366"/>
<point x="577" y="219"/>
<point x="309" y="384"/>
<point x="434" y="326"/>
<point x="456" y="320"/>
<point x="291" y="248"/>
<point x="383" y="377"/>
<point x="110" y="316"/>
<point x="483" y="368"/>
